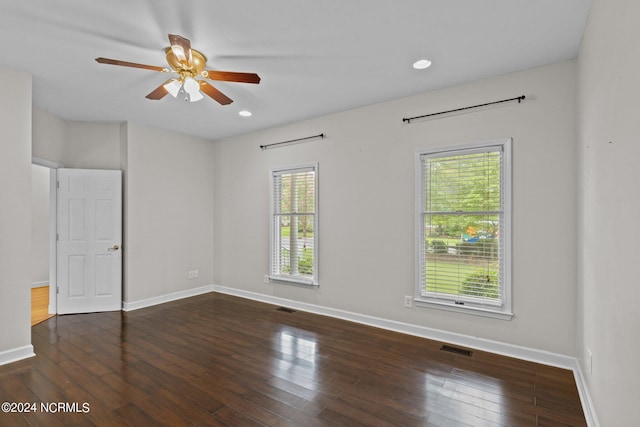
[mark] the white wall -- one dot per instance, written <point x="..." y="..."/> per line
<point x="40" y="189"/>
<point x="49" y="136"/>
<point x="366" y="191"/>
<point x="82" y="145"/>
<point x="15" y="215"/>
<point x="169" y="211"/>
<point x="91" y="145"/>
<point x="609" y="152"/>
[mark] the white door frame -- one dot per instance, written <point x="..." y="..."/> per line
<point x="53" y="179"/>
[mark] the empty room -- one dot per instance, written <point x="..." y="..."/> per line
<point x="293" y="213"/>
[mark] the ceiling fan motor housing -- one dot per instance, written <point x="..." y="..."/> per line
<point x="192" y="69"/>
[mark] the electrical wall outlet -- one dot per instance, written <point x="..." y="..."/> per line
<point x="408" y="301"/>
<point x="190" y="274"/>
<point x="195" y="273"/>
<point x="266" y="278"/>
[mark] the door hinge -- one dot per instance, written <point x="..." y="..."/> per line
<point x="57" y="237"/>
<point x="58" y="184"/>
<point x="57" y="289"/>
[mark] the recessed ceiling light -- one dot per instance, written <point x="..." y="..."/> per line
<point x="245" y="113"/>
<point x="421" y="64"/>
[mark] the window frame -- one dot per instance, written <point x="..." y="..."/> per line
<point x="278" y="276"/>
<point x="503" y="311"/>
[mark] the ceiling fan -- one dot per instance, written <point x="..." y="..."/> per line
<point x="189" y="65"/>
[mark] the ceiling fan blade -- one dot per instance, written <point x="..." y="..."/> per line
<point x="181" y="48"/>
<point x="159" y="92"/>
<point x="232" y="76"/>
<point x="214" y="93"/>
<point x="129" y="64"/>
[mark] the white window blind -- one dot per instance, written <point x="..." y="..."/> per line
<point x="294" y="225"/>
<point x="463" y="221"/>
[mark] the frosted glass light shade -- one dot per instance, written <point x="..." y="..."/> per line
<point x="197" y="96"/>
<point x="192" y="87"/>
<point x="173" y="87"/>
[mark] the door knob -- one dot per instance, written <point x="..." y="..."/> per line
<point x="114" y="248"/>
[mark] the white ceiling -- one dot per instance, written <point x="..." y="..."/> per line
<point x="314" y="57"/>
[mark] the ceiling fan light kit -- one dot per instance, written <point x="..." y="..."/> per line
<point x="189" y="65"/>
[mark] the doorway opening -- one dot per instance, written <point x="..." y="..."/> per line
<point x="43" y="239"/>
<point x="76" y="239"/>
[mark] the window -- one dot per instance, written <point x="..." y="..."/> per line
<point x="464" y="228"/>
<point x="294" y="224"/>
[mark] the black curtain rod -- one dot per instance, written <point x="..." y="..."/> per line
<point x="264" y="147"/>
<point x="519" y="99"/>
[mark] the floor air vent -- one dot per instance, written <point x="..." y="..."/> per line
<point x="456" y="350"/>
<point x="285" y="309"/>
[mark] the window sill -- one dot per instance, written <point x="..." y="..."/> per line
<point x="466" y="309"/>
<point x="294" y="280"/>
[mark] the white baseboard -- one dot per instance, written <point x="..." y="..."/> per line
<point x="585" y="396"/>
<point x="16" y="354"/>
<point x="135" y="305"/>
<point x="511" y="350"/>
<point x="39" y="284"/>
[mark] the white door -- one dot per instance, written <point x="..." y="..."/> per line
<point x="89" y="261"/>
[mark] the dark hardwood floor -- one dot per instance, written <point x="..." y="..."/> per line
<point x="217" y="360"/>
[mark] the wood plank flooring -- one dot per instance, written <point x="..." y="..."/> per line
<point x="218" y="360"/>
<point x="40" y="305"/>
